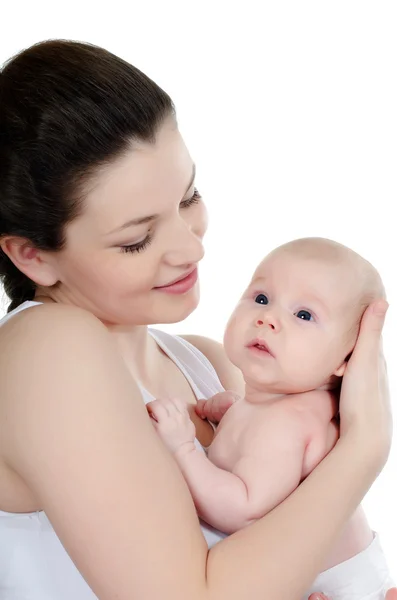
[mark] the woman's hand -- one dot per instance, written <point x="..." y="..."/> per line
<point x="391" y="595"/>
<point x="364" y="400"/>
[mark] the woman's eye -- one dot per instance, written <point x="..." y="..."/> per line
<point x="305" y="315"/>
<point x="261" y="299"/>
<point x="192" y="200"/>
<point x="139" y="246"/>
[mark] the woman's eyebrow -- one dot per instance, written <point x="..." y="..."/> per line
<point x="148" y="218"/>
<point x="132" y="222"/>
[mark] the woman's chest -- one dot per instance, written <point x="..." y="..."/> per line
<point x="168" y="381"/>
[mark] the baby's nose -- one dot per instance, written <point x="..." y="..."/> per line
<point x="271" y="322"/>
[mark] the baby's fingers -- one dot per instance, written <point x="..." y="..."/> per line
<point x="201" y="408"/>
<point x="221" y="403"/>
<point x="156" y="410"/>
<point x="214" y="408"/>
<point x="166" y="408"/>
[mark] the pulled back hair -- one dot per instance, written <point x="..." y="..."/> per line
<point x="66" y="108"/>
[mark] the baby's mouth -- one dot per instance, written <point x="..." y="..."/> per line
<point x="260" y="345"/>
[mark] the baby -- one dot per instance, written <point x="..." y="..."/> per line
<point x="291" y="335"/>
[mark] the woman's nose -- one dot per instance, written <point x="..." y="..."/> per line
<point x="186" y="247"/>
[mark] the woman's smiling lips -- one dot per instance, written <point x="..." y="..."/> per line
<point x="181" y="285"/>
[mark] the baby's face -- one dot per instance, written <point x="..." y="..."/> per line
<point x="294" y="326"/>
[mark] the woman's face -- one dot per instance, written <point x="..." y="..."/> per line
<point x="140" y="231"/>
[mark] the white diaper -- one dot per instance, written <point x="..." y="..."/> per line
<point x="364" y="577"/>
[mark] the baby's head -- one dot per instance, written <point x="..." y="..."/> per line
<point x="297" y="323"/>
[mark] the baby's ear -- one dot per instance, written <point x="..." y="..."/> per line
<point x="340" y="371"/>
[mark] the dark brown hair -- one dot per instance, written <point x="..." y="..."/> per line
<point x="66" y="108"/>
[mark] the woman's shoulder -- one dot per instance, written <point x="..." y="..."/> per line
<point x="56" y="363"/>
<point x="229" y="375"/>
<point x="34" y="341"/>
<point x="44" y="322"/>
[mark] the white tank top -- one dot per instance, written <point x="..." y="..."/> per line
<point x="33" y="562"/>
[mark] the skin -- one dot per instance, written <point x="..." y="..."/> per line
<point x="97" y="303"/>
<point x="306" y="306"/>
<point x="303" y="302"/>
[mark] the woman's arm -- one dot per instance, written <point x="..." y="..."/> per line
<point x="74" y="427"/>
<point x="263" y="476"/>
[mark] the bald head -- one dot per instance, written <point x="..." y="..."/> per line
<point x="306" y="300"/>
<point x="363" y="273"/>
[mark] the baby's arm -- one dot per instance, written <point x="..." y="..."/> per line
<point x="267" y="472"/>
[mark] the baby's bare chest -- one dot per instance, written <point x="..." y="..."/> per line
<point x="241" y="432"/>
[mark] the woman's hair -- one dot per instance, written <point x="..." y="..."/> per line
<point x="66" y="108"/>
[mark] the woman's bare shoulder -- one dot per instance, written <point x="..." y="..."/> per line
<point x="44" y="317"/>
<point x="38" y="328"/>
<point x="39" y="348"/>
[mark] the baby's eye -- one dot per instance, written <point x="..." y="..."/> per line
<point x="305" y="315"/>
<point x="261" y="299"/>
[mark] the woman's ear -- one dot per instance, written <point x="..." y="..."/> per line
<point x="31" y="262"/>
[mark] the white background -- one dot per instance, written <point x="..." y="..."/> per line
<point x="290" y="111"/>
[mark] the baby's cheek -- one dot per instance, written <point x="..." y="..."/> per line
<point x="230" y="343"/>
<point x="231" y="334"/>
<point x="234" y="342"/>
<point x="299" y="374"/>
<point x="308" y="368"/>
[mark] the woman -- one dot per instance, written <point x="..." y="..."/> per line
<point x="101" y="232"/>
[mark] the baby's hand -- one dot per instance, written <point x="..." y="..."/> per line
<point x="214" y="408"/>
<point x="172" y="422"/>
